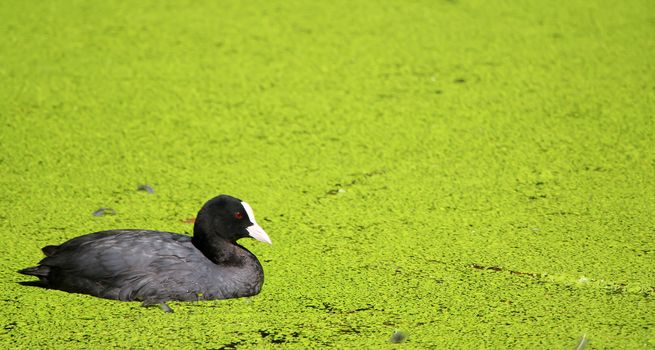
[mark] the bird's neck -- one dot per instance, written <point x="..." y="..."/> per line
<point x="217" y="249"/>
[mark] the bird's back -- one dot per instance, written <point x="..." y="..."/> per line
<point x="150" y="266"/>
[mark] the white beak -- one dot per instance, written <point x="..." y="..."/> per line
<point x="257" y="232"/>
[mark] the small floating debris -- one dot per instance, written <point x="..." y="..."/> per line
<point x="146" y="188"/>
<point x="582" y="343"/>
<point x="398" y="337"/>
<point x="336" y="191"/>
<point x="189" y="220"/>
<point x="104" y="211"/>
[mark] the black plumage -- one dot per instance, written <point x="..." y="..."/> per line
<point x="155" y="267"/>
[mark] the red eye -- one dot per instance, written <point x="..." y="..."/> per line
<point x="238" y="215"/>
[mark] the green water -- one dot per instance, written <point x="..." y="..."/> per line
<point x="476" y="174"/>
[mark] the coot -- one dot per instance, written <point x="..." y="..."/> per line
<point x="154" y="266"/>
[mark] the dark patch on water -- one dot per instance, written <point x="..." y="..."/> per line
<point x="595" y="168"/>
<point x="324" y="306"/>
<point x="10" y="326"/>
<point x="367" y="307"/>
<point x="431" y="322"/>
<point x="230" y="346"/>
<point x="350" y="330"/>
<point x="145" y="188"/>
<point x="563" y="213"/>
<point x="355" y="180"/>
<point x="536" y="197"/>
<point x="500" y="269"/>
<point x="104" y="211"/>
<point x="398" y="337"/>
<point x="276" y="337"/>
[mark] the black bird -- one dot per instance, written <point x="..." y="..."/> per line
<point x="155" y="267"/>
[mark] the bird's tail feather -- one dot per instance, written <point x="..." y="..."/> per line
<point x="39" y="271"/>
